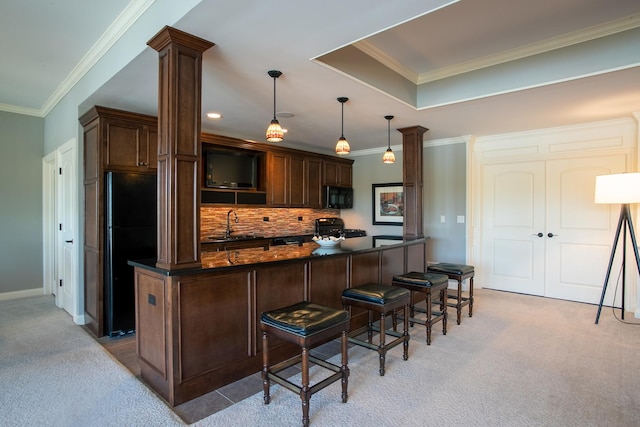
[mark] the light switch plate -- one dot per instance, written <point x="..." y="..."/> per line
<point x="460" y="219"/>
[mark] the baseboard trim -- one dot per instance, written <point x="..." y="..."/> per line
<point x="79" y="319"/>
<point x="21" y="294"/>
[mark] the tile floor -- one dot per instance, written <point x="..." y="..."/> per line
<point x="123" y="349"/>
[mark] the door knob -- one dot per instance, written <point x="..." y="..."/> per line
<point x="551" y="235"/>
<point x="539" y="234"/>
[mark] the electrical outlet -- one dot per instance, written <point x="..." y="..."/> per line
<point x="441" y="218"/>
<point x="299" y="218"/>
<point x="265" y="218"/>
<point x="460" y="219"/>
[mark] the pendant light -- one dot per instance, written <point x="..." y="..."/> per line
<point x="388" y="157"/>
<point x="274" y="131"/>
<point x="342" y="147"/>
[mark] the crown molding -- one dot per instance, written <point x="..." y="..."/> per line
<point x="118" y="27"/>
<point x="382" y="57"/>
<point x="21" y="110"/>
<point x="377" y="150"/>
<point x="553" y="43"/>
<point x="447" y="141"/>
<point x="426" y="144"/>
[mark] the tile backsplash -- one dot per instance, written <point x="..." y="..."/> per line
<point x="251" y="221"/>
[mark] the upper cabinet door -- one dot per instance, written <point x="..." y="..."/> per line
<point x="337" y="173"/>
<point x="297" y="181"/>
<point x="148" y="152"/>
<point x="344" y="174"/>
<point x="313" y="179"/>
<point x="330" y="173"/>
<point x="130" y="145"/>
<point x="278" y="179"/>
<point x="122" y="141"/>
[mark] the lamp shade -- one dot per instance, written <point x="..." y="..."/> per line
<point x="622" y="188"/>
<point x="342" y="146"/>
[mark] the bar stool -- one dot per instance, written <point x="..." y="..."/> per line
<point x="428" y="284"/>
<point x="382" y="299"/>
<point x="307" y="325"/>
<point x="460" y="273"/>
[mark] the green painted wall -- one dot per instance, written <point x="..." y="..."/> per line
<point x="21" y="153"/>
<point x="444" y="194"/>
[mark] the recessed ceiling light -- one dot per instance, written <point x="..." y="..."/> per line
<point x="214" y="115"/>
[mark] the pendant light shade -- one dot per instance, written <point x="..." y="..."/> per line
<point x="274" y="131"/>
<point x="388" y="157"/>
<point x="342" y="147"/>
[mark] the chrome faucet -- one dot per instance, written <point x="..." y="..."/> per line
<point x="227" y="234"/>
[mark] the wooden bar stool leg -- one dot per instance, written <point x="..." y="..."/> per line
<point x="459" y="304"/>
<point x="405" y="334"/>
<point x="429" y="314"/>
<point x="344" y="368"/>
<point x="443" y="309"/>
<point x="370" y="328"/>
<point x="304" y="390"/>
<point x="412" y="308"/>
<point x="381" y="347"/>
<point x="471" y="296"/>
<point x="265" y="368"/>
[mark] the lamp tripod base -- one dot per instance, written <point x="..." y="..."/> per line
<point x="623" y="222"/>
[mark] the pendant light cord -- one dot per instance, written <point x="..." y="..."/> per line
<point x="274" y="98"/>
<point x="342" y="128"/>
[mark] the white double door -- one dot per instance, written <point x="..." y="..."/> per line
<point x="542" y="234"/>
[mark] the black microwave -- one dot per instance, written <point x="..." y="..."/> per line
<point x="337" y="197"/>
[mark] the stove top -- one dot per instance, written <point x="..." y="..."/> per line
<point x="335" y="227"/>
<point x="352" y="232"/>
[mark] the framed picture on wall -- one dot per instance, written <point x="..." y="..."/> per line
<point x="386" y="240"/>
<point x="388" y="204"/>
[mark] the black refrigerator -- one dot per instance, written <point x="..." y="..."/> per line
<point x="131" y="234"/>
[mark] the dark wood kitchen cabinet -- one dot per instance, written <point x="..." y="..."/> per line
<point x="313" y="176"/>
<point x="129" y="141"/>
<point x="114" y="140"/>
<point x="286" y="177"/>
<point x="199" y="329"/>
<point x="336" y="172"/>
<point x="294" y="180"/>
<point x="279" y="177"/>
<point x="129" y="145"/>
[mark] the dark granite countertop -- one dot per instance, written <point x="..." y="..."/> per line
<point x="244" y="257"/>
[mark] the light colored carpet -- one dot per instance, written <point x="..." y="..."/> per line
<point x="519" y="361"/>
<point x="53" y="373"/>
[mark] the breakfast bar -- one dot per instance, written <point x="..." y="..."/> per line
<point x="197" y="329"/>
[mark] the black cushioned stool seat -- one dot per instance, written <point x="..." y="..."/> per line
<point x="382" y="299"/>
<point x="306" y="324"/>
<point x="428" y="284"/>
<point x="460" y="273"/>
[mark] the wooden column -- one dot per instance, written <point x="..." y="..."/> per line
<point x="412" y="177"/>
<point x="179" y="148"/>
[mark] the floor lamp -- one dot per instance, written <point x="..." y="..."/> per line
<point x="623" y="189"/>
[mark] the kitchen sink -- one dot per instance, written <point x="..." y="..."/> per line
<point x="235" y="238"/>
